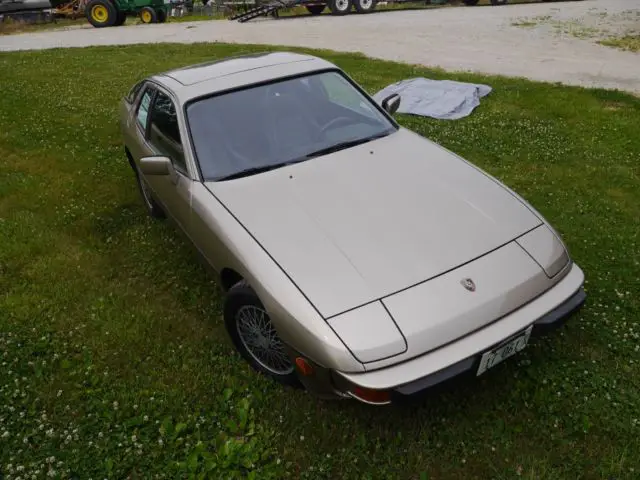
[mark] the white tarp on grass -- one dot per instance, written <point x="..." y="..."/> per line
<point x="441" y="99"/>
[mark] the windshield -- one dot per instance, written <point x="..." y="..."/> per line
<point x="264" y="127"/>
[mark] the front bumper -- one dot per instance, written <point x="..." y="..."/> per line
<point x="550" y="321"/>
<point x="548" y="311"/>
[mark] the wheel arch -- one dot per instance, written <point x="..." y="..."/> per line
<point x="237" y="255"/>
<point x="229" y="277"/>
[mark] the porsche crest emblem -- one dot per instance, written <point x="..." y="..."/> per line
<point x="468" y="284"/>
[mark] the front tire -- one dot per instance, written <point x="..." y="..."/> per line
<point x="499" y="2"/>
<point x="340" y="7"/>
<point x="101" y="13"/>
<point x="254" y="336"/>
<point x="470" y="3"/>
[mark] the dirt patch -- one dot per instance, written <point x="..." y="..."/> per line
<point x="613" y="106"/>
<point x="9" y="26"/>
<point x="630" y="43"/>
<point x="479" y="39"/>
<point x="597" y="23"/>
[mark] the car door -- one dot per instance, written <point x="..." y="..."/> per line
<point x="158" y="133"/>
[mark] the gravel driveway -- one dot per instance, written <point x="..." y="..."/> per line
<point x="554" y="42"/>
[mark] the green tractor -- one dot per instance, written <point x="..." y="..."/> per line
<point x="113" y="13"/>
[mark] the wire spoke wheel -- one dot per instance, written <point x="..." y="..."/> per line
<point x="261" y="340"/>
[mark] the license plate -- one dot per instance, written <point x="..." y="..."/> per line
<point x="502" y="352"/>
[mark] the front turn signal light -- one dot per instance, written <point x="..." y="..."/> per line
<point x="304" y="367"/>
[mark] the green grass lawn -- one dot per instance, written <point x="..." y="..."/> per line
<point x="114" y="359"/>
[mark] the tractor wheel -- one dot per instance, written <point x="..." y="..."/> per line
<point x="365" y="6"/>
<point x="340" y="7"/>
<point x="120" y="19"/>
<point x="101" y="13"/>
<point x="148" y="15"/>
<point x="470" y="3"/>
<point x="315" y="9"/>
<point x="499" y="2"/>
<point x="162" y="15"/>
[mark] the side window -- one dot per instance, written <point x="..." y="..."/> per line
<point x="143" y="108"/>
<point x="133" y="93"/>
<point x="164" y="133"/>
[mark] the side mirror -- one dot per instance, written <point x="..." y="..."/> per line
<point x="155" y="165"/>
<point x="391" y="103"/>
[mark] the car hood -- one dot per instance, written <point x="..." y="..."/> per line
<point x="366" y="222"/>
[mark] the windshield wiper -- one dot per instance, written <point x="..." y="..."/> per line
<point x="323" y="151"/>
<point x="342" y="145"/>
<point x="248" y="171"/>
<point x="254" y="170"/>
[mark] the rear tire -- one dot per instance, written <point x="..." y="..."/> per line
<point x="101" y="13"/>
<point x="340" y="7"/>
<point x="499" y="2"/>
<point x="148" y="15"/>
<point x="365" y="6"/>
<point x="246" y="320"/>
<point x="470" y="3"/>
<point x="315" y="9"/>
<point x="162" y="15"/>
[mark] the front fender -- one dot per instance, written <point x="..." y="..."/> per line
<point x="225" y="243"/>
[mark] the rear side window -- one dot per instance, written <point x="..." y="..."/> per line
<point x="143" y="108"/>
<point x="164" y="133"/>
<point x="133" y="93"/>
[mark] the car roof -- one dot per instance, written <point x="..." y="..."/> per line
<point x="228" y="66"/>
<point x="232" y="72"/>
